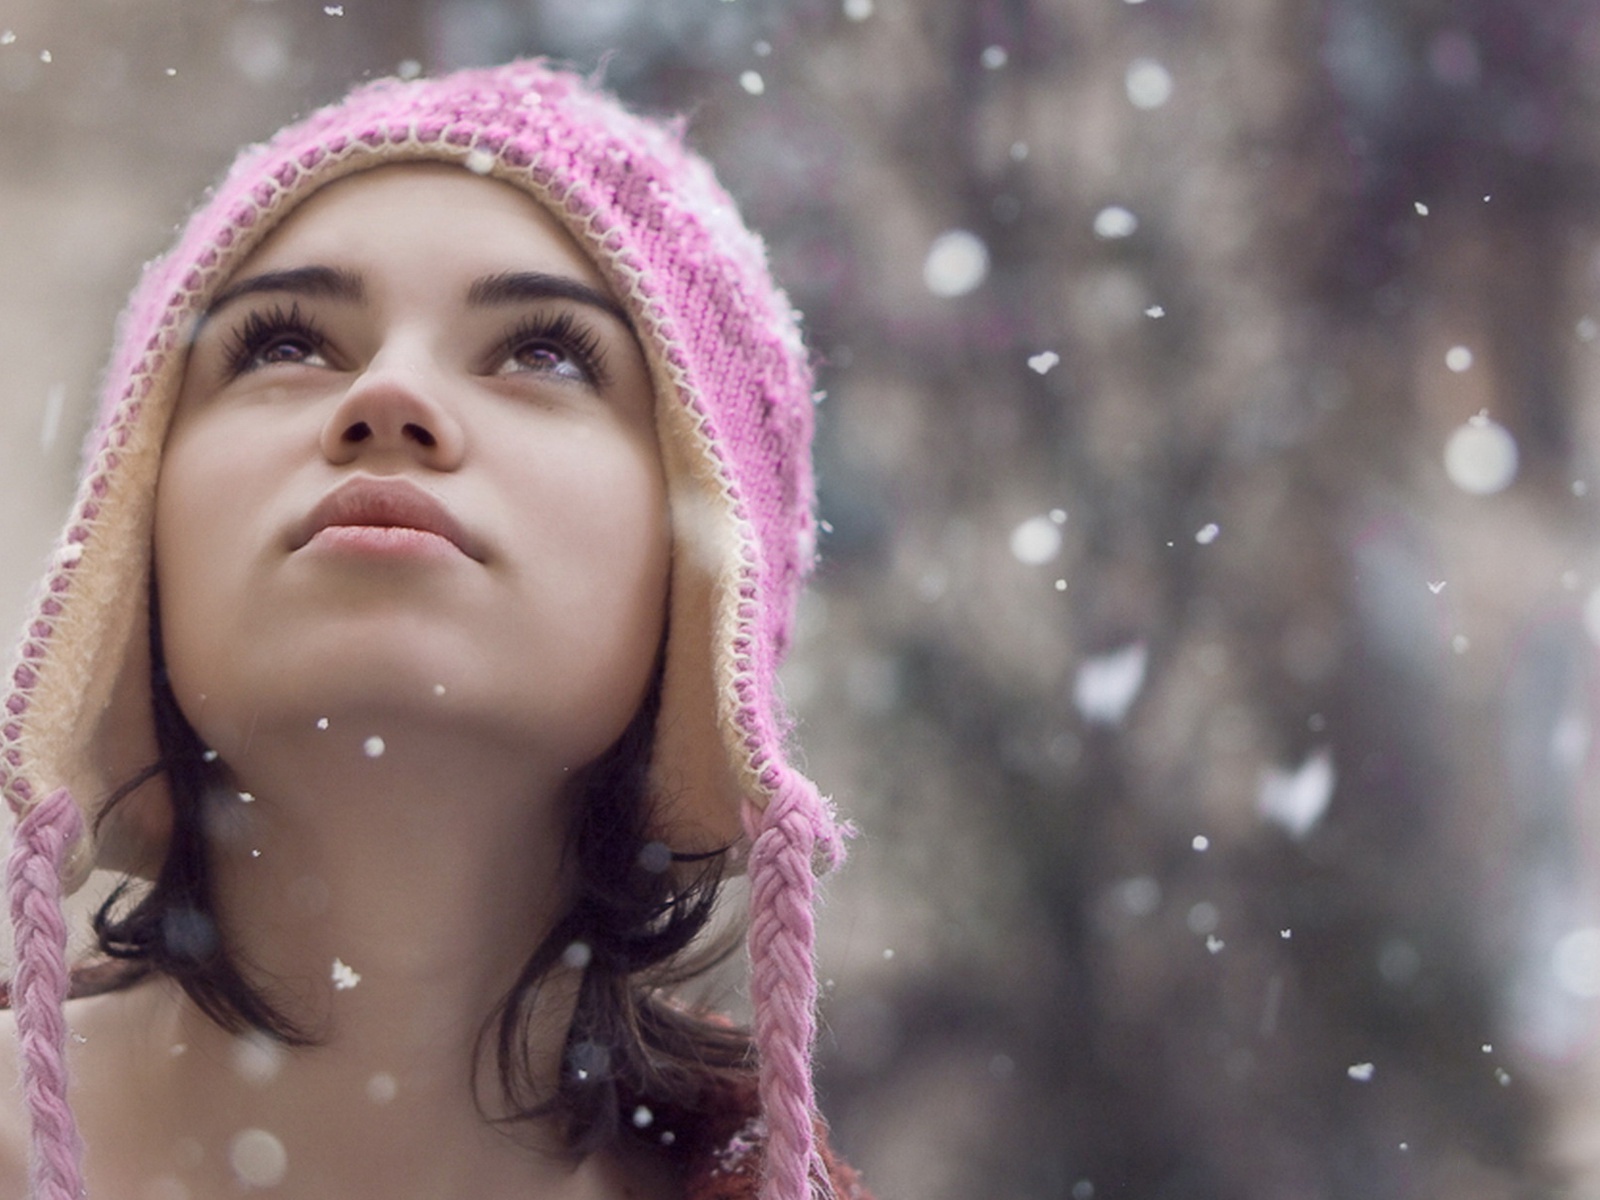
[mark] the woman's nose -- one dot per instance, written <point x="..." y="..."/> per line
<point x="392" y="409"/>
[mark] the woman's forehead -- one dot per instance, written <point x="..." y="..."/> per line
<point x="409" y="209"/>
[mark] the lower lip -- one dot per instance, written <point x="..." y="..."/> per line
<point x="382" y="541"/>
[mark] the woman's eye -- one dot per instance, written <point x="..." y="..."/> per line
<point x="275" y="338"/>
<point x="288" y="349"/>
<point x="544" y="358"/>
<point x="557" y="347"/>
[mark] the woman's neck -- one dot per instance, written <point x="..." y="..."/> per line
<point x="430" y="869"/>
<point x="385" y="903"/>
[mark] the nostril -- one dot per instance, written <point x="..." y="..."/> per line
<point x="359" y="432"/>
<point x="420" y="435"/>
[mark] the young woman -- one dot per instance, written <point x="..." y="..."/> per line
<point x="412" y="648"/>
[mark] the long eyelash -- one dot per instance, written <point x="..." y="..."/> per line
<point x="565" y="331"/>
<point x="260" y="329"/>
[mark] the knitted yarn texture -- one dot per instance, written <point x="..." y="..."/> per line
<point x="39" y="989"/>
<point x="734" y="421"/>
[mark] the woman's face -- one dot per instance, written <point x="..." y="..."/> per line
<point x="414" y="464"/>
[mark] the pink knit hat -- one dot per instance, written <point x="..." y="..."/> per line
<point x="734" y="418"/>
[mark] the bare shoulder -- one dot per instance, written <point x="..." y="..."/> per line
<point x="13" y="1116"/>
<point x="83" y="1014"/>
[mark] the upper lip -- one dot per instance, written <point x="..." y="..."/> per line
<point x="394" y="502"/>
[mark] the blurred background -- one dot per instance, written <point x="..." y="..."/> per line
<point x="1206" y="635"/>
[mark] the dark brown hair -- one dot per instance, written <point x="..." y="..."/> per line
<point x="638" y="912"/>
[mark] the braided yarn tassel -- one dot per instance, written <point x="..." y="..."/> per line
<point x="783" y="986"/>
<point x="39" y="991"/>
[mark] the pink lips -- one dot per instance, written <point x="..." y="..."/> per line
<point x="383" y="516"/>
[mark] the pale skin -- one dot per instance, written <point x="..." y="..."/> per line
<point x="368" y="340"/>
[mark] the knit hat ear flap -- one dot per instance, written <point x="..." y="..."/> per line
<point x="79" y="715"/>
<point x="693" y="762"/>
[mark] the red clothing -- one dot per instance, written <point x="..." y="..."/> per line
<point x="725" y="1161"/>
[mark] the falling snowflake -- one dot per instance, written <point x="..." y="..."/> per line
<point x="1361" y="1072"/>
<point x="1043" y="361"/>
<point x="957" y="262"/>
<point x="1203" y="917"/>
<point x="257" y="1058"/>
<point x="655" y="857"/>
<point x="258" y="1158"/>
<point x="1297" y="799"/>
<point x="1575" y="963"/>
<point x="345" y="977"/>
<point x="1036" y="541"/>
<point x="1481" y="457"/>
<point x="1148" y="83"/>
<point x="1113" y="222"/>
<point x="1107" y="685"/>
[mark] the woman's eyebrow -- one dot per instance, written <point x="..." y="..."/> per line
<point x="331" y="283"/>
<point x="513" y="287"/>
